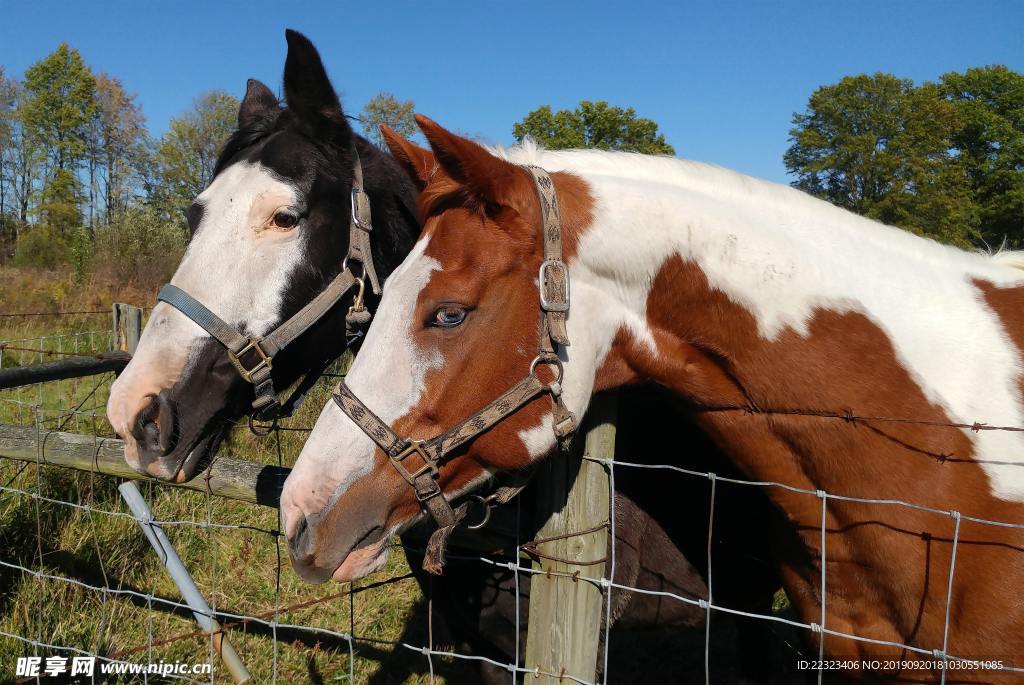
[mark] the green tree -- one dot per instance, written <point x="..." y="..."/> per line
<point x="880" y="146"/>
<point x="59" y="204"/>
<point x="990" y="142"/>
<point x="187" y="154"/>
<point x="385" y="108"/>
<point x="593" y="125"/>
<point x="61" y="101"/>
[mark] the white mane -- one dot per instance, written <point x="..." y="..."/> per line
<point x="730" y="186"/>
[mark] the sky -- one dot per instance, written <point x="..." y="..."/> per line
<point x="722" y="79"/>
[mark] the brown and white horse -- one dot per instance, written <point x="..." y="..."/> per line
<point x="769" y="313"/>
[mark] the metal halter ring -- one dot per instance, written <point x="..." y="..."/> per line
<point x="486" y="503"/>
<point x="548" y="360"/>
<point x="261" y="431"/>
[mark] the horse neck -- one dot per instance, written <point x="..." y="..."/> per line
<point x="765" y="302"/>
<point x="778" y="329"/>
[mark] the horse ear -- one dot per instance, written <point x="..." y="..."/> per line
<point x="418" y="162"/>
<point x="309" y="93"/>
<point x="490" y="179"/>
<point x="259" y="102"/>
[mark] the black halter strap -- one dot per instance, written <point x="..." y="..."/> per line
<point x="253" y="356"/>
<point x="434" y="452"/>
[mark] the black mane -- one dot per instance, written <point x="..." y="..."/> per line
<point x="244" y="138"/>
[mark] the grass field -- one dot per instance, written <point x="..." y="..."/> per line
<point x="237" y="569"/>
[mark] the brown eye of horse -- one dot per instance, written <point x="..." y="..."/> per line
<point x="284" y="220"/>
<point x="448" y="316"/>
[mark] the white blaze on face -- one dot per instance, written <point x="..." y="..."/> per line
<point x="388" y="375"/>
<point x="234" y="265"/>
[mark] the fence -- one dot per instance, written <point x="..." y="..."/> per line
<point x="77" y="579"/>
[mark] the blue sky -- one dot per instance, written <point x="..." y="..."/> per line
<point x="721" y="78"/>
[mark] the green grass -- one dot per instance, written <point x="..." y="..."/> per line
<point x="237" y="569"/>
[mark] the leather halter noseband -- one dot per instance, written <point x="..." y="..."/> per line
<point x="253" y="356"/>
<point x="553" y="281"/>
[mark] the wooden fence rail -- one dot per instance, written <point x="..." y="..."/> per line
<point x="77" y="366"/>
<point x="232" y="478"/>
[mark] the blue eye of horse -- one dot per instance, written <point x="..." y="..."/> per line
<point x="448" y="316"/>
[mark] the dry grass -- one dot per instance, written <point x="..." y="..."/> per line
<point x="240" y="570"/>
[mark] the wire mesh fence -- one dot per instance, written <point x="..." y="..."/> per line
<point x="77" y="578"/>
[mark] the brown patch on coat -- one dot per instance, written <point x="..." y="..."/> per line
<point x="888" y="566"/>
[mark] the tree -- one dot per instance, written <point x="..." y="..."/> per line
<point x="188" y="151"/>
<point x="8" y="102"/>
<point x="117" y="147"/>
<point x="593" y="125"/>
<point x="989" y="140"/>
<point x="880" y="146"/>
<point x="21" y="158"/>
<point x="385" y="108"/>
<point x="59" y="202"/>
<point x="61" y="101"/>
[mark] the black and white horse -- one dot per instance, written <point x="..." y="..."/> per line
<point x="267" y="234"/>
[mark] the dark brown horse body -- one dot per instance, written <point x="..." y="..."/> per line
<point x="661" y="546"/>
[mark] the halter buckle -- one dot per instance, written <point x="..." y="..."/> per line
<point x="359" y="201"/>
<point x="553" y="299"/>
<point x="429" y="465"/>
<point x="236" y="359"/>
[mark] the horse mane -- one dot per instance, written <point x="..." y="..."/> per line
<point x="727" y="185"/>
<point x="1013" y="259"/>
<point x="244" y="138"/>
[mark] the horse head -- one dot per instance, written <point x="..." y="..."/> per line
<point x="460" y="323"/>
<point x="268" y="234"/>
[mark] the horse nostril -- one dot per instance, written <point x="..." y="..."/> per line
<point x="154" y="426"/>
<point x="299" y="540"/>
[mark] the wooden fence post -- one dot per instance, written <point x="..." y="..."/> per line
<point x="127" y="327"/>
<point x="573" y="495"/>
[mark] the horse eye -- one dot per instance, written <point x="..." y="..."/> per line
<point x="448" y="316"/>
<point x="284" y="220"/>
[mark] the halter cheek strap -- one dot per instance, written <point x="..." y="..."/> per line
<point x="419" y="461"/>
<point x="253" y="356"/>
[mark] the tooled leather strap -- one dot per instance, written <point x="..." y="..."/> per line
<point x="554" y="302"/>
<point x="253" y="356"/>
<point x="360" y="228"/>
<point x="553" y="278"/>
<point x="433" y="453"/>
<point x="435" y="450"/>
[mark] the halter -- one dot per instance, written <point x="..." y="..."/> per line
<point x="253" y="356"/>
<point x="553" y="282"/>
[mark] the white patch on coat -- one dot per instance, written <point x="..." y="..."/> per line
<point x="781" y="254"/>
<point x="387" y="375"/>
<point x="234" y="266"/>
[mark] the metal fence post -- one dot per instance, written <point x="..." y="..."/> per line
<point x="573" y="496"/>
<point x="127" y="327"/>
<point x="176" y="569"/>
